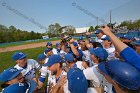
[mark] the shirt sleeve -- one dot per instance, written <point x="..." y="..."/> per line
<point x="54" y="51"/>
<point x="37" y="65"/>
<point x="130" y="56"/>
<point x="92" y="74"/>
<point x="43" y="75"/>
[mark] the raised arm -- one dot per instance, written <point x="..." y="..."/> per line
<point x="127" y="53"/>
<point x="74" y="50"/>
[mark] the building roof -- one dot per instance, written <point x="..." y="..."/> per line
<point x="81" y="30"/>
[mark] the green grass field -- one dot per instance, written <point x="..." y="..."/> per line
<point x="6" y="57"/>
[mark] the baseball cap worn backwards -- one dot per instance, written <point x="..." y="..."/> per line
<point x="77" y="82"/>
<point x="121" y="72"/>
<point x="18" y="56"/>
<point x="53" y="59"/>
<point x="99" y="52"/>
<point x="9" y="74"/>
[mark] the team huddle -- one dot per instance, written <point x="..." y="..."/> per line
<point x="107" y="64"/>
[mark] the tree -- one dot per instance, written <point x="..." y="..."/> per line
<point x="13" y="34"/>
<point x="69" y="30"/>
<point x="91" y="28"/>
<point x="12" y="29"/>
<point x="96" y="27"/>
<point x="53" y="29"/>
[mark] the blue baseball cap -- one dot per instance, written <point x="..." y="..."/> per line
<point x="99" y="52"/>
<point x="77" y="82"/>
<point x="53" y="59"/>
<point x="98" y="31"/>
<point x="80" y="38"/>
<point x="47" y="50"/>
<point x="49" y="44"/>
<point x="69" y="57"/>
<point x="127" y="37"/>
<point x="106" y="38"/>
<point x="121" y="72"/>
<point x="120" y="35"/>
<point x="92" y="41"/>
<point x="9" y="74"/>
<point x="75" y="43"/>
<point x="21" y="87"/>
<point x="18" y="56"/>
<point x="136" y="43"/>
<point x="57" y="44"/>
<point x="41" y="57"/>
<point x="67" y="45"/>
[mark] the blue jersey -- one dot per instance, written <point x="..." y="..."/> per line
<point x="131" y="57"/>
<point x="79" y="58"/>
<point x="25" y="87"/>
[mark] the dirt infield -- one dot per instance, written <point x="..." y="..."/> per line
<point x="27" y="46"/>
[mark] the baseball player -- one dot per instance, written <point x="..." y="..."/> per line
<point x="13" y="82"/>
<point x="71" y="62"/>
<point x="127" y="53"/>
<point x="58" y="47"/>
<point x="49" y="45"/>
<point x="44" y="72"/>
<point x="99" y="33"/>
<point x="109" y="48"/>
<point x="94" y="77"/>
<point x="55" y="66"/>
<point x="124" y="77"/>
<point x="28" y="66"/>
<point x="75" y="75"/>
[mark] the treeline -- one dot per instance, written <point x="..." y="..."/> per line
<point x="12" y="34"/>
<point x="131" y="24"/>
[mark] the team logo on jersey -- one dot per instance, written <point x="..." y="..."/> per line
<point x="13" y="70"/>
<point x="21" y="84"/>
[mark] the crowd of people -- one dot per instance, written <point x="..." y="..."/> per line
<point x="108" y="64"/>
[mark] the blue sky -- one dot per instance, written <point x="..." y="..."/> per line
<point x="36" y="15"/>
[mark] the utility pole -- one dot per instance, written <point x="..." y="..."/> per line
<point x="97" y="20"/>
<point x="110" y="17"/>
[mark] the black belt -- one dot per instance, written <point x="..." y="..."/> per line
<point x="90" y="83"/>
